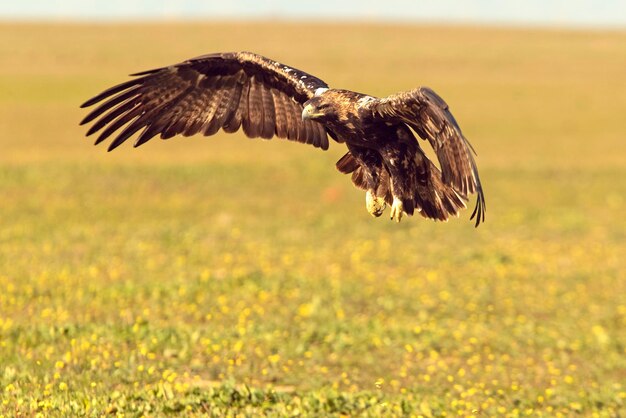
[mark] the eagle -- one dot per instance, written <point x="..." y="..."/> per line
<point x="265" y="98"/>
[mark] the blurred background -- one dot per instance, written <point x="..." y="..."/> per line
<point x="206" y="275"/>
<point x="605" y="13"/>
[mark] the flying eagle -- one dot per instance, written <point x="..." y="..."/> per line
<point x="267" y="98"/>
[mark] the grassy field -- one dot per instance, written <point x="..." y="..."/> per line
<point x="234" y="277"/>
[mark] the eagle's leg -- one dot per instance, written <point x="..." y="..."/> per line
<point x="371" y="176"/>
<point x="397" y="209"/>
<point x="375" y="205"/>
<point x="400" y="163"/>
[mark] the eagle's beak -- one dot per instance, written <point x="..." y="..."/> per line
<point x="309" y="112"/>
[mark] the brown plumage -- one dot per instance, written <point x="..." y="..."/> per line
<point x="264" y="98"/>
<point x="204" y="94"/>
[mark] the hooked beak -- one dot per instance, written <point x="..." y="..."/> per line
<point x="309" y="112"/>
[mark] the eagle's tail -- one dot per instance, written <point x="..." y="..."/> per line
<point x="347" y="164"/>
<point x="432" y="197"/>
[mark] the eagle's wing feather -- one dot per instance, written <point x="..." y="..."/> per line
<point x="428" y="114"/>
<point x="203" y="94"/>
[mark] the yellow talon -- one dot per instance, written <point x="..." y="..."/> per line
<point x="397" y="209"/>
<point x="375" y="205"/>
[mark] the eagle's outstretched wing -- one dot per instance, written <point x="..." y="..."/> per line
<point x="204" y="94"/>
<point x="428" y="114"/>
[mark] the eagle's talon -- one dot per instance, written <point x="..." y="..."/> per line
<point x="397" y="209"/>
<point x="375" y="205"/>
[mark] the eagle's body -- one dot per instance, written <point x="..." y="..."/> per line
<point x="266" y="99"/>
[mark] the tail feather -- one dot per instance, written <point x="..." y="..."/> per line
<point x="435" y="199"/>
<point x="347" y="164"/>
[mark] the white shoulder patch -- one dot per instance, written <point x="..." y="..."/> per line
<point x="364" y="100"/>
<point x="320" y="91"/>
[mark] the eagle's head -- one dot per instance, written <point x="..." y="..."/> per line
<point x="333" y="107"/>
<point x="319" y="107"/>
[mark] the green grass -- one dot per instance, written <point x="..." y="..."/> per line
<point x="229" y="276"/>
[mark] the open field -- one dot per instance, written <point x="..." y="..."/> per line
<point x="229" y="276"/>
